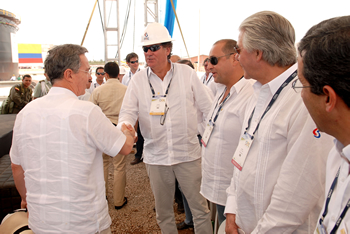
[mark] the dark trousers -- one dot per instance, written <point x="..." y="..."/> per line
<point x="139" y="143"/>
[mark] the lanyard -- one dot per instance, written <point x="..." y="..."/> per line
<point x="220" y="107"/>
<point x="274" y="98"/>
<point x="330" y="193"/>
<point x="207" y="80"/>
<point x="150" y="85"/>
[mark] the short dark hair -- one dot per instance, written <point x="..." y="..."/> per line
<point x="61" y="58"/>
<point x="205" y="60"/>
<point x="168" y="44"/>
<point x="228" y="47"/>
<point x="112" y="69"/>
<point x="26" y="76"/>
<point x="130" y="56"/>
<point x="99" y="68"/>
<point x="325" y="51"/>
<point x="185" y="61"/>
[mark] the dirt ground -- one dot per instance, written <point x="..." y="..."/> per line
<point x="138" y="216"/>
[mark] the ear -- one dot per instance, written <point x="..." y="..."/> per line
<point x="331" y="98"/>
<point x="68" y="75"/>
<point x="259" y="55"/>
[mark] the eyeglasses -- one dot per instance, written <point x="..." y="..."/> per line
<point x="237" y="49"/>
<point x="136" y="61"/>
<point x="296" y="85"/>
<point x="214" y="60"/>
<point x="100" y="73"/>
<point x="89" y="71"/>
<point x="153" y="48"/>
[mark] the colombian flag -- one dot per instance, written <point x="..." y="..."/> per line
<point x="29" y="53"/>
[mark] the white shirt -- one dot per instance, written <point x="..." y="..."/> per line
<point x="127" y="77"/>
<point x="209" y="82"/>
<point x="175" y="141"/>
<point x="217" y="168"/>
<point x="281" y="186"/>
<point x="85" y="96"/>
<point x="58" y="140"/>
<point x="341" y="193"/>
<point x="94" y="85"/>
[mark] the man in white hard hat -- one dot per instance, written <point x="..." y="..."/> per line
<point x="165" y="98"/>
<point x="122" y="72"/>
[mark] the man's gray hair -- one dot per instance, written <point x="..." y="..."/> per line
<point x="272" y="34"/>
<point x="61" y="58"/>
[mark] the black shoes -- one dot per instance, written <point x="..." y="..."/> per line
<point x="119" y="207"/>
<point x="136" y="161"/>
<point x="183" y="225"/>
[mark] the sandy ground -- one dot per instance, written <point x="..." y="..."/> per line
<point x="138" y="215"/>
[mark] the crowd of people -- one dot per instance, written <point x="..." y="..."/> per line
<point x="262" y="135"/>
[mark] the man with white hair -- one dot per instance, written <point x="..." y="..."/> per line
<point x="278" y="179"/>
<point x="165" y="98"/>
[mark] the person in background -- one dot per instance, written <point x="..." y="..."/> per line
<point x="175" y="58"/>
<point x="43" y="87"/>
<point x="324" y="83"/>
<point x="208" y="79"/>
<point x="100" y="75"/>
<point x="20" y="95"/>
<point x="56" y="151"/>
<point x="278" y="178"/>
<point x="132" y="60"/>
<point x="122" y="72"/>
<point x="109" y="98"/>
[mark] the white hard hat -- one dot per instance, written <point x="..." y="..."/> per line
<point x="155" y="33"/>
<point x="122" y="70"/>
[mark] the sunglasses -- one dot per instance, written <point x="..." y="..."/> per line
<point x="238" y="50"/>
<point x="153" y="48"/>
<point x="102" y="73"/>
<point x="136" y="61"/>
<point x="214" y="60"/>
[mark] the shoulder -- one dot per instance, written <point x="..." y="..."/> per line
<point x="16" y="88"/>
<point x="42" y="81"/>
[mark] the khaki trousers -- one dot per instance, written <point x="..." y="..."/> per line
<point x="119" y="180"/>
<point x="188" y="174"/>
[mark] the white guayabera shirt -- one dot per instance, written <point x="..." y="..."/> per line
<point x="281" y="186"/>
<point x="175" y="141"/>
<point x="217" y="168"/>
<point x="58" y="140"/>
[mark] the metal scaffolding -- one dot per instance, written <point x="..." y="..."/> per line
<point x="151" y="11"/>
<point x="110" y="28"/>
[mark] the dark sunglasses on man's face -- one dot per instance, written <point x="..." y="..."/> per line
<point x="100" y="73"/>
<point x="153" y="48"/>
<point x="214" y="60"/>
<point x="136" y="61"/>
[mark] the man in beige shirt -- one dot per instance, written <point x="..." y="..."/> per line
<point x="109" y="97"/>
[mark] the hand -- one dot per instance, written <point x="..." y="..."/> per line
<point x="231" y="226"/>
<point x="128" y="130"/>
<point x="23" y="204"/>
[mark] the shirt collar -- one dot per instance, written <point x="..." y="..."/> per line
<point x="60" y="91"/>
<point x="239" y="85"/>
<point x="344" y="151"/>
<point x="110" y="80"/>
<point x="150" y="72"/>
<point x="274" y="84"/>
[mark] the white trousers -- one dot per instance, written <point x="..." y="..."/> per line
<point x="189" y="175"/>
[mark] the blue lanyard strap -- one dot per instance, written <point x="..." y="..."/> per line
<point x="207" y="80"/>
<point x="274" y="98"/>
<point x="150" y="85"/>
<point x="221" y="105"/>
<point x="342" y="215"/>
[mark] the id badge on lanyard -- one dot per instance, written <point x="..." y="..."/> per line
<point x="242" y="150"/>
<point x="320" y="229"/>
<point x="158" y="105"/>
<point x="206" y="135"/>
